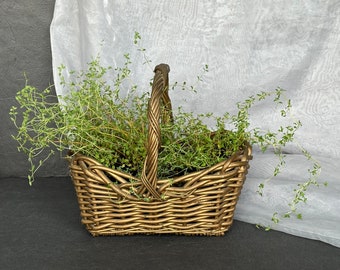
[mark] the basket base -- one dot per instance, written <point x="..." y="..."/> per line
<point x="180" y="232"/>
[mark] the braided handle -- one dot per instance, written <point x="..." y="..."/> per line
<point x="159" y="92"/>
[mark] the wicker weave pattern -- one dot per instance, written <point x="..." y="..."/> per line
<point x="201" y="203"/>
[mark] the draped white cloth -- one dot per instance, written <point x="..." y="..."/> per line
<point x="249" y="46"/>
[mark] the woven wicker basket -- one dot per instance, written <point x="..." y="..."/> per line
<point x="199" y="203"/>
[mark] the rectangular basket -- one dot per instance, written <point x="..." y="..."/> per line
<point x="200" y="203"/>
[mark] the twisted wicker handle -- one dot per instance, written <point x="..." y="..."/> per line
<point x="159" y="92"/>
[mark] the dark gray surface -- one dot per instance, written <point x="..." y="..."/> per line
<point x="40" y="229"/>
<point x="24" y="47"/>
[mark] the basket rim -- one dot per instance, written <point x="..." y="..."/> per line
<point x="95" y="170"/>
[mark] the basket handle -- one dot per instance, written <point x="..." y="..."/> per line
<point x="159" y="95"/>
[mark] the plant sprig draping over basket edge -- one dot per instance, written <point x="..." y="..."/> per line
<point x="107" y="120"/>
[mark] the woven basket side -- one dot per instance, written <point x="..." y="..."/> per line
<point x="114" y="208"/>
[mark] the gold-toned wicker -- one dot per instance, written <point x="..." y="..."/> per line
<point x="200" y="203"/>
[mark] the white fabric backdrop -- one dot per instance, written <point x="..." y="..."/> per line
<point x="249" y="46"/>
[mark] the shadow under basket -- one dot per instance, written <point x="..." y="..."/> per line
<point x="199" y="203"/>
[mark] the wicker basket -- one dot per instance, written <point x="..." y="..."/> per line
<point x="200" y="203"/>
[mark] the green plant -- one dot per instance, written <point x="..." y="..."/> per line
<point x="106" y="119"/>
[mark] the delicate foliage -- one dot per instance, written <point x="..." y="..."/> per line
<point x="107" y="120"/>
